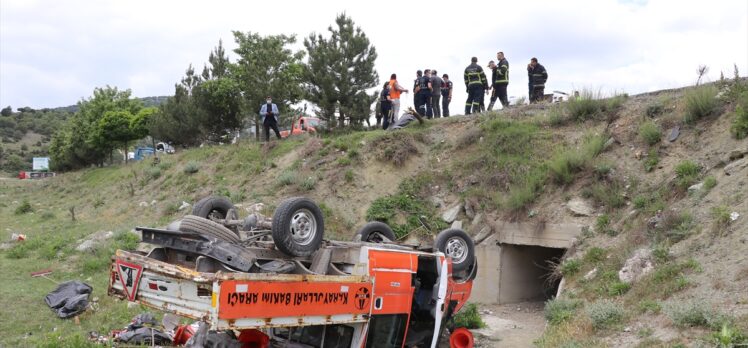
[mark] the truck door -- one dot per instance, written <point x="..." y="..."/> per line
<point x="441" y="296"/>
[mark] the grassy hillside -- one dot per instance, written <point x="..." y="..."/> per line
<point x="524" y="163"/>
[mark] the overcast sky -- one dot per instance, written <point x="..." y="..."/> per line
<point x="53" y="53"/>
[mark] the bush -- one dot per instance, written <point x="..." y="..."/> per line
<point x="468" y="317"/>
<point x="191" y="168"/>
<point x="709" y="183"/>
<point x="649" y="306"/>
<point x="560" y="310"/>
<point x="729" y="336"/>
<point x="618" y="288"/>
<point x="605" y="314"/>
<point x="309" y="183"/>
<point x="563" y="166"/>
<point x="153" y="173"/>
<point x="349" y="175"/>
<point x="570" y="267"/>
<point x="721" y="216"/>
<point x="650" y="133"/>
<point x="688" y="313"/>
<point x="595" y="254"/>
<point x="653" y="158"/>
<point x="655" y="109"/>
<point x="739" y="128"/>
<point x="686" y="172"/>
<point x="584" y="107"/>
<point x="700" y="102"/>
<point x="24" y="208"/>
<point x="286" y="178"/>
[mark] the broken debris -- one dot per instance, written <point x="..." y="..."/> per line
<point x="69" y="298"/>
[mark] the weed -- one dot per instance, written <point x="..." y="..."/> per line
<point x="602" y="223"/>
<point x="655" y="109"/>
<point x="344" y="161"/>
<point x="468" y="317"/>
<point x="353" y="154"/>
<point x="238" y="196"/>
<point x="709" y="183"/>
<point x="721" y="216"/>
<point x="468" y="138"/>
<point x="595" y="254"/>
<point x="584" y="107"/>
<point x="563" y="166"/>
<point x="673" y="227"/>
<point x="47" y="215"/>
<point x="653" y="158"/>
<point x="618" y="288"/>
<point x="700" y="102"/>
<point x="170" y="209"/>
<point x="560" y="310"/>
<point x="739" y="127"/>
<point x="640" y="202"/>
<point x="687" y="173"/>
<point x="605" y="314"/>
<point x="606" y="193"/>
<point x="556" y="116"/>
<point x="24" y="208"/>
<point x="348" y="175"/>
<point x="286" y="178"/>
<point x="602" y="170"/>
<point x="661" y="253"/>
<point x="308" y="183"/>
<point x="729" y="336"/>
<point x="649" y="306"/>
<point x="98" y="202"/>
<point x="650" y="133"/>
<point x="570" y="267"/>
<point x="191" y="168"/>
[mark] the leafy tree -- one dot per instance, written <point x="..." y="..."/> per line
<point x="220" y="100"/>
<point x="266" y="66"/>
<point x="7" y="111"/>
<point x="339" y="71"/>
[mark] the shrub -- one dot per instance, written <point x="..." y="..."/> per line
<point x="191" y="168"/>
<point x="721" y="216"/>
<point x="606" y="193"/>
<point x="605" y="314"/>
<point x="686" y="172"/>
<point x="655" y="109"/>
<point x="649" y="306"/>
<point x="286" y="178"/>
<point x="309" y="183"/>
<point x="673" y="227"/>
<point x="618" y="288"/>
<point x="560" y="310"/>
<point x="653" y="158"/>
<point x="729" y="336"/>
<point x="152" y="173"/>
<point x="24" y="208"/>
<point x="563" y="166"/>
<point x="602" y="222"/>
<point x="584" y="107"/>
<point x="709" y="183"/>
<point x="687" y="313"/>
<point x="570" y="267"/>
<point x="739" y="128"/>
<point x="640" y="202"/>
<point x="700" y="102"/>
<point x="468" y="317"/>
<point x="349" y="175"/>
<point x="650" y="133"/>
<point x="556" y="116"/>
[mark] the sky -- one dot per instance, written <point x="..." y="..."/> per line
<point x="54" y="53"/>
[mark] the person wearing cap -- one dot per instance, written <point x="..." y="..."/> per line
<point x="476" y="85"/>
<point x="269" y="114"/>
<point x="538" y="76"/>
<point x="446" y="94"/>
<point x="499" y="80"/>
<point x="436" y="93"/>
<point x="395" y="91"/>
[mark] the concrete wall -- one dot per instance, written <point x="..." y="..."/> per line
<point x="507" y="270"/>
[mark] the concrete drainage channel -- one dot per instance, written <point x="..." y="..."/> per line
<point x="515" y="268"/>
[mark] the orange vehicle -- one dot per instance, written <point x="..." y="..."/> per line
<point x="303" y="124"/>
<point x="296" y="289"/>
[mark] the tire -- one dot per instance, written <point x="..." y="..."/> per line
<point x="373" y="232"/>
<point x="298" y="227"/>
<point x="213" y="207"/>
<point x="196" y="224"/>
<point x="458" y="246"/>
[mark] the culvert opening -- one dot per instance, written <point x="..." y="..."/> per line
<point x="526" y="273"/>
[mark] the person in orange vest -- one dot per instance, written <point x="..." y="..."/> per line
<point x="395" y="91"/>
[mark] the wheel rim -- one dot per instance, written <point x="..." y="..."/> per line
<point x="303" y="227"/>
<point x="375" y="237"/>
<point x="456" y="249"/>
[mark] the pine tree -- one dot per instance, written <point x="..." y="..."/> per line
<point x="339" y="71"/>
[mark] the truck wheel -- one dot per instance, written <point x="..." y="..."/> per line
<point x="213" y="207"/>
<point x="196" y="224"/>
<point x="298" y="227"/>
<point x="374" y="231"/>
<point x="457" y="245"/>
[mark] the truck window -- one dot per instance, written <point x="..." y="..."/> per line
<point x="386" y="330"/>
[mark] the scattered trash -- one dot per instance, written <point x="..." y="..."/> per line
<point x="18" y="237"/>
<point x="184" y="205"/>
<point x="734" y="216"/>
<point x="142" y="330"/>
<point x="69" y="299"/>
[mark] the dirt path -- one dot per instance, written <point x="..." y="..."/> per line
<point x="511" y="325"/>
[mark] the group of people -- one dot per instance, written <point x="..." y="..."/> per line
<point x="432" y="94"/>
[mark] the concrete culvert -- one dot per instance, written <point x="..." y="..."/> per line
<point x="525" y="273"/>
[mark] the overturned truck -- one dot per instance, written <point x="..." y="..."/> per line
<point x="281" y="279"/>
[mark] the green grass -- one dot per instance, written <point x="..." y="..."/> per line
<point x="570" y="267"/>
<point x="605" y="314"/>
<point x="191" y="167"/>
<point x="595" y="254"/>
<point x="468" y="317"/>
<point x="650" y="133"/>
<point x="687" y="173"/>
<point x="557" y="311"/>
<point x="652" y="160"/>
<point x="700" y="102"/>
<point x="721" y="216"/>
<point x="24" y="208"/>
<point x="739" y="127"/>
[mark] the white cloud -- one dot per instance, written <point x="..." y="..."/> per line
<point x="53" y="53"/>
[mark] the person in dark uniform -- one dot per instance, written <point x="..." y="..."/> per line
<point x="419" y="74"/>
<point x="538" y="76"/>
<point x="499" y="81"/>
<point x="476" y="85"/>
<point x="446" y="94"/>
<point x="269" y="114"/>
<point x="423" y="94"/>
<point x="386" y="105"/>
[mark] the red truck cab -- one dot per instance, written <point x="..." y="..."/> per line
<point x="303" y="124"/>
